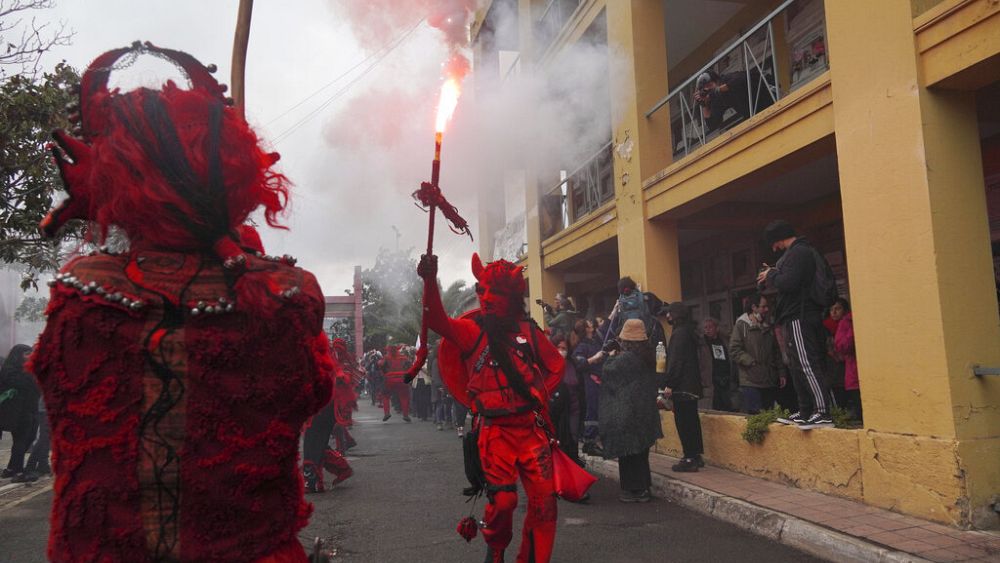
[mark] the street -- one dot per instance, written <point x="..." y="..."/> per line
<point x="404" y="501"/>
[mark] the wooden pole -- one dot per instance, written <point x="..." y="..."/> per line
<point x="241" y="40"/>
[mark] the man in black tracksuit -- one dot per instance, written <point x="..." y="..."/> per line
<point x="801" y="321"/>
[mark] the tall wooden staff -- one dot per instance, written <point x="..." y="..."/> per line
<point x="240" y="41"/>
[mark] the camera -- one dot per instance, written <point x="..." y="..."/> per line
<point x="611" y="346"/>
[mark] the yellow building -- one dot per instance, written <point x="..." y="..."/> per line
<point x="872" y="126"/>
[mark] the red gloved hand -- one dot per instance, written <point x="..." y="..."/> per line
<point x="427" y="268"/>
<point x="73" y="158"/>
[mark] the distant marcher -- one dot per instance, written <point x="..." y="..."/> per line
<point x="797" y="277"/>
<point x="630" y="418"/>
<point x="844" y="343"/>
<point x="422" y="395"/>
<point x="38" y="461"/>
<point x="564" y="407"/>
<point x="755" y="351"/>
<point x="716" y="365"/>
<point x="19" y="396"/>
<point x="561" y="318"/>
<point x="835" y="367"/>
<point x="588" y="359"/>
<point x="684" y="386"/>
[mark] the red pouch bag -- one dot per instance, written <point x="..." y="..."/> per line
<point x="572" y="481"/>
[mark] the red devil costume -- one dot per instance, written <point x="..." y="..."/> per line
<point x="394" y="366"/>
<point x="334" y="418"/>
<point x="177" y="375"/>
<point x="345" y="395"/>
<point x="499" y="363"/>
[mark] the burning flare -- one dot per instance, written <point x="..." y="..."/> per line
<point x="450" y="91"/>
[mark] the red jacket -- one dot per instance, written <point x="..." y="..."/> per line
<point x="176" y="412"/>
<point x="473" y="377"/>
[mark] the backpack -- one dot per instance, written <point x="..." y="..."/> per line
<point x="823" y="289"/>
<point x="633" y="306"/>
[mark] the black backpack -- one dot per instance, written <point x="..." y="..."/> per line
<point x="823" y="290"/>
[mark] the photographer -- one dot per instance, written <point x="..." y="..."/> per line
<point x="715" y="94"/>
<point x="630" y="419"/>
<point x="561" y="318"/>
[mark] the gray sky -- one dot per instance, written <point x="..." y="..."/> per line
<point x="353" y="162"/>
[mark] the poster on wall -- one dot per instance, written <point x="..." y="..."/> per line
<point x="806" y="35"/>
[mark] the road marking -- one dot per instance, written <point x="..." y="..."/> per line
<point x="576" y="521"/>
<point x="27" y="497"/>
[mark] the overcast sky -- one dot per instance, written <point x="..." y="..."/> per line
<point x="355" y="161"/>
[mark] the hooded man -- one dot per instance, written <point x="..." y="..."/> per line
<point x="497" y="361"/>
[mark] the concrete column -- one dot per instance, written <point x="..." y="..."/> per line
<point x="917" y="241"/>
<point x="646" y="251"/>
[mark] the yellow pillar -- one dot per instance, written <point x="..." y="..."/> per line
<point x="647" y="251"/>
<point x="917" y="239"/>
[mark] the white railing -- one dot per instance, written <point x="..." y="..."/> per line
<point x="749" y="64"/>
<point x="580" y="192"/>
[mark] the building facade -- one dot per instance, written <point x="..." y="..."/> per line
<point x="873" y="127"/>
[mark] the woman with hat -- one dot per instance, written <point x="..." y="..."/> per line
<point x="629" y="418"/>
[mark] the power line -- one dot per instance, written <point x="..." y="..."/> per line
<point x="379" y="57"/>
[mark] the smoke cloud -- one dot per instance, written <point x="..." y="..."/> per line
<point x="377" y="144"/>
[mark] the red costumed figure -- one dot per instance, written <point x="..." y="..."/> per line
<point x="394" y="365"/>
<point x="345" y="396"/>
<point x="496" y="361"/>
<point x="178" y="374"/>
<point x="316" y="452"/>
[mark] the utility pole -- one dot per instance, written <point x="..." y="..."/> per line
<point x="398" y="235"/>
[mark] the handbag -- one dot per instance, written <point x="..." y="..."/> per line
<point x="571" y="480"/>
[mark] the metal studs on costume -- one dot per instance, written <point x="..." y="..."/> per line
<point x="216" y="306"/>
<point x="87" y="288"/>
<point x="235" y="261"/>
<point x="286" y="259"/>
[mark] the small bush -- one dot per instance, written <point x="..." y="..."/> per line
<point x="757" y="424"/>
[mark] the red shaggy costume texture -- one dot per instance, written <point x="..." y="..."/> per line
<point x="177" y="375"/>
<point x="500" y="364"/>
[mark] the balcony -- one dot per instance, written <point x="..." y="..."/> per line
<point x="578" y="193"/>
<point x="554" y="17"/>
<point x="776" y="56"/>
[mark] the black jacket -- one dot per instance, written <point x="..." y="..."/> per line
<point x="792" y="276"/>
<point x="683" y="371"/>
<point x="629" y="417"/>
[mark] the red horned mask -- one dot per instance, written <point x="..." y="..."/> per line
<point x="500" y="287"/>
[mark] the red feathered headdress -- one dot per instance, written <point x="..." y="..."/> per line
<point x="174" y="168"/>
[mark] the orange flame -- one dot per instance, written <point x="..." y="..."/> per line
<point x="450" y="91"/>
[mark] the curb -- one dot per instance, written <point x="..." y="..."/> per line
<point x="776" y="526"/>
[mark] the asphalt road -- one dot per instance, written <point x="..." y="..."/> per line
<point x="404" y="501"/>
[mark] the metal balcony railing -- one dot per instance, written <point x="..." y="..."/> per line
<point x="553" y="19"/>
<point x="582" y="191"/>
<point x="748" y="76"/>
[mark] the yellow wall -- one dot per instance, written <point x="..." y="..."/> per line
<point x="921" y="282"/>
<point x="916" y="234"/>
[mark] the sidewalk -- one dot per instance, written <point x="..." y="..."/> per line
<point x="826" y="526"/>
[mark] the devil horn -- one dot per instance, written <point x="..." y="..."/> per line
<point x="518" y="271"/>
<point x="477" y="266"/>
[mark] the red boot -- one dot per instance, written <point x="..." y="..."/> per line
<point x="335" y="463"/>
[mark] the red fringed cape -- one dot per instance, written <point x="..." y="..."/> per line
<point x="176" y="410"/>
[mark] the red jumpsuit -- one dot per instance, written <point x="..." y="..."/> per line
<point x="393" y="365"/>
<point x="512" y="444"/>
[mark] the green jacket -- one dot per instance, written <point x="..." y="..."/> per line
<point x="562" y="322"/>
<point x="755" y="350"/>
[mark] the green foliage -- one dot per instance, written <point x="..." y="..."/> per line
<point x="757" y="424"/>
<point x="391" y="294"/>
<point x="31" y="109"/>
<point x="842" y="418"/>
<point x="31" y="309"/>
